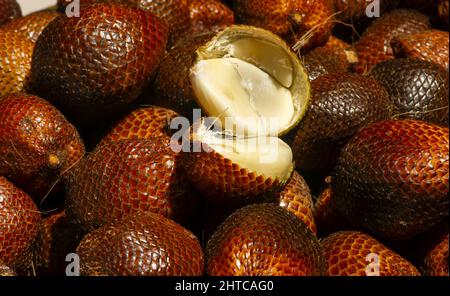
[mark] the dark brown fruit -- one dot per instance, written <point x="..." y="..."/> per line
<point x="142" y="245"/>
<point x="374" y="45"/>
<point x="418" y="89"/>
<point x="296" y="198"/>
<point x="175" y="13"/>
<point x="143" y="123"/>
<point x="341" y="104"/>
<point x="32" y="25"/>
<point x="344" y="51"/>
<point x="37" y="144"/>
<point x="5" y="270"/>
<point x="125" y="178"/>
<point x="321" y="61"/>
<point x="263" y="240"/>
<point x="56" y="238"/>
<point x="425" y="6"/>
<point x="9" y="10"/>
<point x="392" y="178"/>
<point x="19" y="218"/>
<point x="432" y="250"/>
<point x="93" y="65"/>
<point x="352" y="10"/>
<point x="352" y="253"/>
<point x="327" y="218"/>
<point x="431" y="46"/>
<point x="15" y="62"/>
<point x="172" y="87"/>
<point x="209" y="15"/>
<point x="309" y="22"/>
<point x="443" y="12"/>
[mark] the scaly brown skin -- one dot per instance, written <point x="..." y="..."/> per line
<point x="32" y="25"/>
<point x="342" y="103"/>
<point x="418" y="89"/>
<point x="38" y="145"/>
<point x="431" y="46"/>
<point x="143" y="245"/>
<point x="93" y="66"/>
<point x="353" y="10"/>
<point x="296" y="198"/>
<point x="343" y="51"/>
<point x="443" y="12"/>
<point x="209" y="15"/>
<point x="174" y="12"/>
<point x="350" y="253"/>
<point x="263" y="240"/>
<point x="19" y="224"/>
<point x="55" y="239"/>
<point x="128" y="177"/>
<point x="9" y="10"/>
<point x="374" y="45"/>
<point x="291" y="19"/>
<point x="15" y="62"/>
<point x="392" y="178"/>
<point x="432" y="250"/>
<point x="321" y="61"/>
<point x="143" y="123"/>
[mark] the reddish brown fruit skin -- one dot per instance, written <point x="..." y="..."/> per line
<point x="343" y="51"/>
<point x="9" y="10"/>
<point x="347" y="251"/>
<point x="432" y="250"/>
<point x="93" y="65"/>
<point x="221" y="181"/>
<point x="290" y="19"/>
<point x="443" y="12"/>
<point x="356" y="9"/>
<point x="55" y="239"/>
<point x="19" y="218"/>
<point x="431" y="46"/>
<point x="341" y="104"/>
<point x="143" y="123"/>
<point x="296" y="198"/>
<point x="125" y="178"/>
<point x="141" y="246"/>
<point x="408" y="161"/>
<point x="374" y="45"/>
<point x="37" y="144"/>
<point x="418" y="89"/>
<point x="209" y="15"/>
<point x="15" y="63"/>
<point x="174" y="12"/>
<point x="263" y="240"/>
<point x="32" y="25"/>
<point x="321" y="61"/>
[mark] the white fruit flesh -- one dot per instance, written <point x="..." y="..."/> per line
<point x="267" y="156"/>
<point x="242" y="95"/>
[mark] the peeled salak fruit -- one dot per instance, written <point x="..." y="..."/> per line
<point x="143" y="245"/>
<point x="305" y="23"/>
<point x="263" y="240"/>
<point x="374" y="45"/>
<point x="392" y="178"/>
<point x="38" y="146"/>
<point x="9" y="9"/>
<point x="55" y="239"/>
<point x="19" y="221"/>
<point x="432" y="250"/>
<point x="418" y="89"/>
<point x="353" y="253"/>
<point x="175" y="13"/>
<point x="32" y="25"/>
<point x="94" y="65"/>
<point x="127" y="177"/>
<point x="342" y="103"/>
<point x="235" y="170"/>
<point x="431" y="46"/>
<point x="297" y="199"/>
<point x="143" y="123"/>
<point x="209" y="15"/>
<point x="15" y="62"/>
